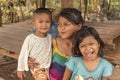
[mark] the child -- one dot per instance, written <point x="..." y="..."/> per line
<point x="87" y="63"/>
<point x="53" y="30"/>
<point x="37" y="46"/>
<point x="69" y="22"/>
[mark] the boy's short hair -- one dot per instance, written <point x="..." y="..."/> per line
<point x="42" y="10"/>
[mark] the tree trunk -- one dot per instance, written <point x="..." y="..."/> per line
<point x="0" y="16"/>
<point x="42" y="3"/>
<point x="67" y="3"/>
<point x="85" y="11"/>
<point x="22" y="13"/>
<point x="95" y="5"/>
<point x="36" y="2"/>
<point x="80" y="6"/>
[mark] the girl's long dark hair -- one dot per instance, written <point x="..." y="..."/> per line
<point x="72" y="15"/>
<point x="81" y="34"/>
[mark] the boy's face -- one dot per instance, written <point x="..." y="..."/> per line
<point x="89" y="48"/>
<point x="42" y="23"/>
<point x="66" y="29"/>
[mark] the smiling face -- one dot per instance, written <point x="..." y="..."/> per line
<point x="66" y="29"/>
<point x="42" y="23"/>
<point x="89" y="48"/>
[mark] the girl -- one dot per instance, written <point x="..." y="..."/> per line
<point x="87" y="63"/>
<point x="69" y="22"/>
<point x="38" y="46"/>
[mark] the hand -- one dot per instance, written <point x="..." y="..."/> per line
<point x="21" y="75"/>
<point x="79" y="77"/>
<point x="31" y="63"/>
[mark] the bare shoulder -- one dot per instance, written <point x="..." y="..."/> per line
<point x="59" y="40"/>
<point x="59" y="43"/>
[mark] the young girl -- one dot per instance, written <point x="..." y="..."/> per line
<point x="38" y="46"/>
<point x="87" y="63"/>
<point x="69" y="22"/>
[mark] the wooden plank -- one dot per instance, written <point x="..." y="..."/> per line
<point x="109" y="58"/>
<point x="24" y="27"/>
<point x="13" y="31"/>
<point x="108" y="33"/>
<point x="114" y="58"/>
<point x="11" y="38"/>
<point x="17" y="36"/>
<point x="8" y="53"/>
<point x="4" y="62"/>
<point x="20" y="25"/>
<point x="10" y="44"/>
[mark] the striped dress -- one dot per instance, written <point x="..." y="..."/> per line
<point x="58" y="63"/>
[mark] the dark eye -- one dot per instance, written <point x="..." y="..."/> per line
<point x="66" y="24"/>
<point x="81" y="46"/>
<point x="91" y="43"/>
<point x="40" y="21"/>
<point x="59" y="25"/>
<point x="48" y="21"/>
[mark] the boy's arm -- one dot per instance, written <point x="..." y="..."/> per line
<point x="23" y="56"/>
<point x="67" y="74"/>
<point x="21" y="75"/>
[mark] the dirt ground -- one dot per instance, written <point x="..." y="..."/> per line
<point x="8" y="70"/>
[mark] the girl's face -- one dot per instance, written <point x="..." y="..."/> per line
<point x="42" y="23"/>
<point x="89" y="48"/>
<point x="66" y="29"/>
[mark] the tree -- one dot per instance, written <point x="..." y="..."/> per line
<point x="40" y="3"/>
<point x="85" y="10"/>
<point x="43" y="3"/>
<point x="0" y="16"/>
<point x="80" y="5"/>
<point x="67" y="3"/>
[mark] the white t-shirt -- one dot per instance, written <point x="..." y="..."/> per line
<point x="38" y="48"/>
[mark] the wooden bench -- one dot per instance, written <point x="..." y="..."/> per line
<point x="12" y="37"/>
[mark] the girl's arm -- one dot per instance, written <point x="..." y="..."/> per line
<point x="31" y="63"/>
<point x="104" y="78"/>
<point x="67" y="74"/>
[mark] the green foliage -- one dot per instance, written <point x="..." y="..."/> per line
<point x="115" y="4"/>
<point x="26" y="7"/>
<point x="16" y="10"/>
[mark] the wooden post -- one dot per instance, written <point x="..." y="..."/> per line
<point x="42" y="3"/>
<point x="85" y="10"/>
<point x="80" y="6"/>
<point x="36" y="2"/>
<point x="0" y="16"/>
